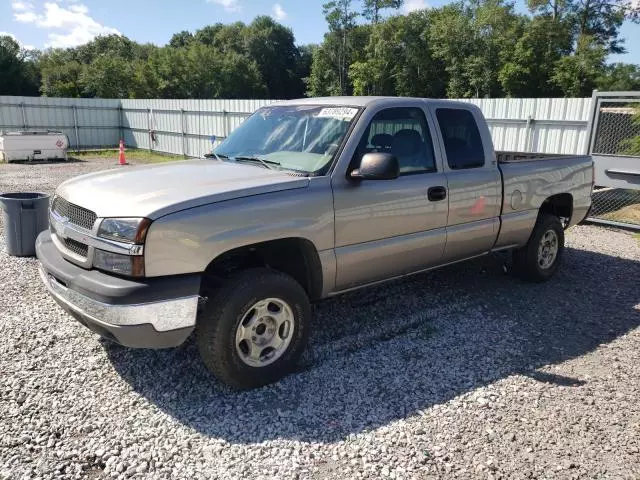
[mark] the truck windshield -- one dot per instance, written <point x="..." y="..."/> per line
<point x="303" y="138"/>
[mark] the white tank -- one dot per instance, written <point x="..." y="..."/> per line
<point x="24" y="145"/>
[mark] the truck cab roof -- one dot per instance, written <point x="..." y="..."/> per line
<point x="371" y="101"/>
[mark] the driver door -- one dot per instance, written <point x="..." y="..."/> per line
<point x="386" y="228"/>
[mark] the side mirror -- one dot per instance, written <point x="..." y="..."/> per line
<point x="377" y="166"/>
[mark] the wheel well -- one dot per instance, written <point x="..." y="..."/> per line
<point x="296" y="257"/>
<point x="560" y="205"/>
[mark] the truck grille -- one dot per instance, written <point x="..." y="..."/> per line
<point x="76" y="247"/>
<point x="77" y="215"/>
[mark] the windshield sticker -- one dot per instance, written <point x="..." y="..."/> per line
<point x="345" y="113"/>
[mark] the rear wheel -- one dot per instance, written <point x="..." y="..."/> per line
<point x="253" y="330"/>
<point x="539" y="259"/>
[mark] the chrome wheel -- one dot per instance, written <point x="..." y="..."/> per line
<point x="265" y="332"/>
<point x="548" y="249"/>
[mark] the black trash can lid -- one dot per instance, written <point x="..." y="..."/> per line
<point x="23" y="195"/>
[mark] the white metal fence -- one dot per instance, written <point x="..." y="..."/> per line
<point x="545" y="125"/>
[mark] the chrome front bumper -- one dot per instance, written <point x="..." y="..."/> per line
<point x="158" y="314"/>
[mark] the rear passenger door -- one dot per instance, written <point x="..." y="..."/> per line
<point x="473" y="179"/>
<point x="385" y="228"/>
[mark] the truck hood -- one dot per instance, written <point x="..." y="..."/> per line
<point x="153" y="191"/>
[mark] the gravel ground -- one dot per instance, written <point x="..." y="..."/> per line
<point x="460" y="373"/>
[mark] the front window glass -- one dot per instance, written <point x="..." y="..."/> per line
<point x="302" y="138"/>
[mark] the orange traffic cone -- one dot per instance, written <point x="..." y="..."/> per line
<point x="121" y="159"/>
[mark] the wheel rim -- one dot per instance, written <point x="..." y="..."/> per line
<point x="265" y="332"/>
<point x="548" y="249"/>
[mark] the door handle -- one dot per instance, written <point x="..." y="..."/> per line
<point x="435" y="194"/>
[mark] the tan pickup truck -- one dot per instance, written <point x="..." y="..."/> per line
<point x="305" y="200"/>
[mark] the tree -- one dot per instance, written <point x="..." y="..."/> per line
<point x="576" y="75"/>
<point x="60" y="71"/>
<point x="181" y="39"/>
<point x="272" y="47"/>
<point x="107" y="77"/>
<point x="303" y="67"/>
<point x="207" y="35"/>
<point x="113" y="45"/>
<point x="474" y="42"/>
<point x="19" y="73"/>
<point x="619" y="77"/>
<point x="341" y="20"/>
<point x="599" y="19"/>
<point x="398" y="60"/>
<point x="371" y="8"/>
<point x="527" y="71"/>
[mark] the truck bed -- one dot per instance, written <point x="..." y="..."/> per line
<point x="528" y="181"/>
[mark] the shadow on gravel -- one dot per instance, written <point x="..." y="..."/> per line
<point x="47" y="162"/>
<point x="391" y="351"/>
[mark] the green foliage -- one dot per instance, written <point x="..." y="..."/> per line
<point x="598" y="19"/>
<point x="331" y="61"/>
<point x="106" y="77"/>
<point x="398" y="60"/>
<point x="527" y="71"/>
<point x="469" y="48"/>
<point x="474" y="42"/>
<point x="631" y="145"/>
<point x="576" y="74"/>
<point x="371" y="8"/>
<point x="232" y="61"/>
<point x="619" y="77"/>
<point x="181" y="39"/>
<point x="18" y="74"/>
<point x="277" y="58"/>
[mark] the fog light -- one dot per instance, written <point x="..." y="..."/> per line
<point x="129" y="265"/>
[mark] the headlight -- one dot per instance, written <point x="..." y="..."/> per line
<point x="129" y="230"/>
<point x="129" y="265"/>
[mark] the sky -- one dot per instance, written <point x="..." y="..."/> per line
<point x="68" y="23"/>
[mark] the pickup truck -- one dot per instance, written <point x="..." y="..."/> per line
<point x="305" y="200"/>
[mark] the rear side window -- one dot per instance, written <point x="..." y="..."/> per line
<point x="461" y="136"/>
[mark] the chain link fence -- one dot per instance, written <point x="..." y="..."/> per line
<point x="617" y="123"/>
<point x="616" y="126"/>
<point x="617" y="205"/>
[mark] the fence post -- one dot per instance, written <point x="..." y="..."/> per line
<point x="592" y="125"/>
<point x="149" y="129"/>
<point x="529" y="145"/>
<point x="183" y="132"/>
<point x="24" y="116"/>
<point x="121" y="121"/>
<point x="225" y="122"/>
<point x="75" y="126"/>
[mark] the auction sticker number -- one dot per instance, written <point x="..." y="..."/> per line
<point x="338" y="112"/>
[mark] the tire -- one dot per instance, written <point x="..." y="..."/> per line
<point x="259" y="299"/>
<point x="528" y="262"/>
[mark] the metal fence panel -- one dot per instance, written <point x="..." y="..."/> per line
<point x="540" y="125"/>
<point x="186" y="126"/>
<point x="87" y="122"/>
<point x="616" y="121"/>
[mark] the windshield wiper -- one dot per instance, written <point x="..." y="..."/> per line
<point x="266" y="163"/>
<point x="217" y="156"/>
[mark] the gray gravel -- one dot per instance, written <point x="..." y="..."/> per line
<point x="460" y="373"/>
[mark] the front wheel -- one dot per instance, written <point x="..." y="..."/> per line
<point x="539" y="259"/>
<point x="254" y="329"/>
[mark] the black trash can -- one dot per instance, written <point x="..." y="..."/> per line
<point x="25" y="215"/>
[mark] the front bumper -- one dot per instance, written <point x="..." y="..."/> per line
<point x="151" y="313"/>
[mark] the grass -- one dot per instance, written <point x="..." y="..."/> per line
<point x="628" y="214"/>
<point x="142" y="156"/>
